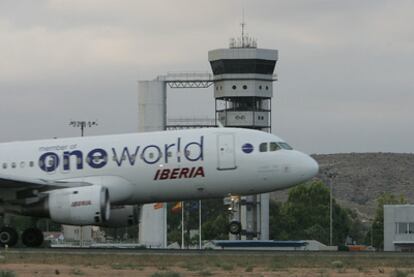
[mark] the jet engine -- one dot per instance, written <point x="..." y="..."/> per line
<point x="122" y="216"/>
<point x="87" y="205"/>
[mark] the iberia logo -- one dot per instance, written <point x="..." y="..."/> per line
<point x="179" y="173"/>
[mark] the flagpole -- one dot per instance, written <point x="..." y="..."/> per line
<point x="199" y="224"/>
<point x="182" y="224"/>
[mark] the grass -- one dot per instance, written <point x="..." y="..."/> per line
<point x="205" y="273"/>
<point x="166" y="274"/>
<point x="77" y="272"/>
<point x="300" y="260"/>
<point x="224" y="262"/>
<point x="249" y="268"/>
<point x="399" y="273"/>
<point x="124" y="266"/>
<point x="6" y="273"/>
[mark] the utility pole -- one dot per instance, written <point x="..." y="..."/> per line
<point x="331" y="177"/>
<point x="82" y="125"/>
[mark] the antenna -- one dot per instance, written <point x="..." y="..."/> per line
<point x="243" y="24"/>
<point x="244" y="41"/>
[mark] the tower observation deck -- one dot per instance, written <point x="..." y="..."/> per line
<point x="243" y="84"/>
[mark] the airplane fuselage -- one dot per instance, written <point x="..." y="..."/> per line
<point x="164" y="166"/>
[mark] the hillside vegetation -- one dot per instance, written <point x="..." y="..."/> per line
<point x="360" y="178"/>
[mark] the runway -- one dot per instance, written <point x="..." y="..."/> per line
<point x="99" y="262"/>
<point x="196" y="252"/>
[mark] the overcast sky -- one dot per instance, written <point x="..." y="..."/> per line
<point x="346" y="68"/>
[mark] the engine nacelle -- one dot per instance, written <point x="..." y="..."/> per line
<point x="87" y="205"/>
<point x="122" y="216"/>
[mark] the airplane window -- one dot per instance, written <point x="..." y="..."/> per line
<point x="284" y="145"/>
<point x="263" y="147"/>
<point x="4" y="166"/>
<point x="31" y="163"/>
<point x="274" y="146"/>
<point x="22" y="164"/>
<point x="13" y="165"/>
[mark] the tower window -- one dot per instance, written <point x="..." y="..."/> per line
<point x="234" y="87"/>
<point x="260" y="87"/>
<point x="244" y="87"/>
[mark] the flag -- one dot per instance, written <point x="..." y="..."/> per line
<point x="158" y="205"/>
<point x="177" y="207"/>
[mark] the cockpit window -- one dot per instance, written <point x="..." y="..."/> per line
<point x="263" y="147"/>
<point x="284" y="145"/>
<point x="274" y="146"/>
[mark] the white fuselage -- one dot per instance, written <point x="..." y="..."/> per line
<point x="163" y="166"/>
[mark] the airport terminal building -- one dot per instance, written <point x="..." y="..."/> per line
<point x="399" y="228"/>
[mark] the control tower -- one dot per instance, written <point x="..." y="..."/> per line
<point x="243" y="89"/>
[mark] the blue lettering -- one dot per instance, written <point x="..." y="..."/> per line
<point x="178" y="150"/>
<point x="97" y="158"/>
<point x="66" y="159"/>
<point x="125" y="153"/>
<point x="49" y="162"/>
<point x="188" y="149"/>
<point x="167" y="147"/>
<point x="151" y="158"/>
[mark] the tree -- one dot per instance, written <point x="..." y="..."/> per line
<point x="377" y="228"/>
<point x="305" y="215"/>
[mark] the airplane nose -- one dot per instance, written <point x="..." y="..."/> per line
<point x="309" y="167"/>
<point x="313" y="167"/>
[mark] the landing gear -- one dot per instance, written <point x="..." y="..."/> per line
<point x="32" y="237"/>
<point x="8" y="236"/>
<point x="235" y="227"/>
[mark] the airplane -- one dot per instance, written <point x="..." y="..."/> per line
<point x="101" y="180"/>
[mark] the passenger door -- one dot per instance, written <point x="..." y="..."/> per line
<point x="226" y="153"/>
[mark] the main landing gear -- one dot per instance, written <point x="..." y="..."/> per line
<point x="31" y="237"/>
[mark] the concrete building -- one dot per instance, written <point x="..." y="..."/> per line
<point x="152" y="116"/>
<point x="399" y="228"/>
<point x="243" y="90"/>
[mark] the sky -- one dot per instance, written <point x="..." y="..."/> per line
<point x="345" y="68"/>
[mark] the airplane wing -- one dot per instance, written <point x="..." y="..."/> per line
<point x="14" y="188"/>
<point x="13" y="182"/>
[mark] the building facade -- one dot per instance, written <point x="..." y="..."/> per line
<point x="399" y="228"/>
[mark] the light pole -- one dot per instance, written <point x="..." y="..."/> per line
<point x="331" y="177"/>
<point x="83" y="125"/>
